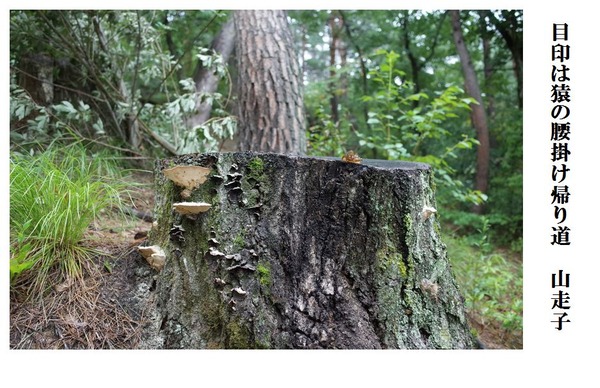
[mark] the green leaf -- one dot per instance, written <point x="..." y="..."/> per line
<point x="83" y="106"/>
<point x="99" y="127"/>
<point x="20" y="112"/>
<point x="65" y="107"/>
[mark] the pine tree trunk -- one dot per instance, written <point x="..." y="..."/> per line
<point x="478" y="116"/>
<point x="271" y="111"/>
<point x="300" y="252"/>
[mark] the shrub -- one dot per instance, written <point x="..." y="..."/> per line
<point x="491" y="283"/>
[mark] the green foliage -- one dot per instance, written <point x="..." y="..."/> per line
<point x="325" y="138"/>
<point x="121" y="69"/>
<point x="404" y="125"/>
<point x="31" y="120"/>
<point x="505" y="206"/>
<point x="402" y="129"/>
<point x="55" y="196"/>
<point x="492" y="283"/>
<point x="239" y="240"/>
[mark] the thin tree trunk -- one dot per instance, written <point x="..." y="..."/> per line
<point x="170" y="42"/>
<point x="336" y="49"/>
<point x="205" y="79"/>
<point x="271" y="112"/>
<point x="417" y="64"/>
<point x="343" y="55"/>
<point x="509" y="32"/>
<point x="363" y="66"/>
<point x="488" y="68"/>
<point x="478" y="116"/>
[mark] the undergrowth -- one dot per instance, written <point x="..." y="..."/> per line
<point x="491" y="281"/>
<point x="54" y="198"/>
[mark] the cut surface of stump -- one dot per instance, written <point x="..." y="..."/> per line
<point x="302" y="252"/>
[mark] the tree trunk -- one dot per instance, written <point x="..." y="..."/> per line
<point x="418" y="62"/>
<point x="205" y="79"/>
<point x="271" y="111"/>
<point x="488" y="68"/>
<point x="37" y="77"/>
<point x="300" y="252"/>
<point x="511" y="31"/>
<point x="415" y="66"/>
<point x="333" y="103"/>
<point x="478" y="116"/>
<point x="342" y="48"/>
<point x="363" y="67"/>
<point x="336" y="49"/>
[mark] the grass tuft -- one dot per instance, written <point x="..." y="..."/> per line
<point x="55" y="197"/>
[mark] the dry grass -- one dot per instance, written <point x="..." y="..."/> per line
<point x="82" y="314"/>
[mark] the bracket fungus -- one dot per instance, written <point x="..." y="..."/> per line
<point x="239" y="291"/>
<point x="243" y="265"/>
<point x="191" y="208"/>
<point x="428" y="211"/>
<point x="154" y="255"/>
<point x="214" y="252"/>
<point x="188" y="177"/>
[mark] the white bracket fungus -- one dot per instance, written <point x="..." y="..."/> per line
<point x="214" y="252"/>
<point x="191" y="208"/>
<point x="154" y="255"/>
<point x="188" y="177"/>
<point x="428" y="211"/>
<point x="239" y="291"/>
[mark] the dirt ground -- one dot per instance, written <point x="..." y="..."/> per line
<point x="106" y="309"/>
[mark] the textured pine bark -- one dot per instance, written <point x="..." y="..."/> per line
<point x="300" y="252"/>
<point x="271" y="113"/>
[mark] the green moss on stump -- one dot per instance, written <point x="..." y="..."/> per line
<point x="264" y="274"/>
<point x="238" y="336"/>
<point x="256" y="168"/>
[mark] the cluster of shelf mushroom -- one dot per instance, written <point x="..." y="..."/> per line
<point x="188" y="178"/>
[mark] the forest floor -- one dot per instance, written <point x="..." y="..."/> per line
<point x="105" y="309"/>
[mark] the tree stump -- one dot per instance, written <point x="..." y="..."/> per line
<point x="303" y="252"/>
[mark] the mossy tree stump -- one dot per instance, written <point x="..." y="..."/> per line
<point x="299" y="252"/>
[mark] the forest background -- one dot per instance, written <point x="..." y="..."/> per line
<point x="121" y="88"/>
